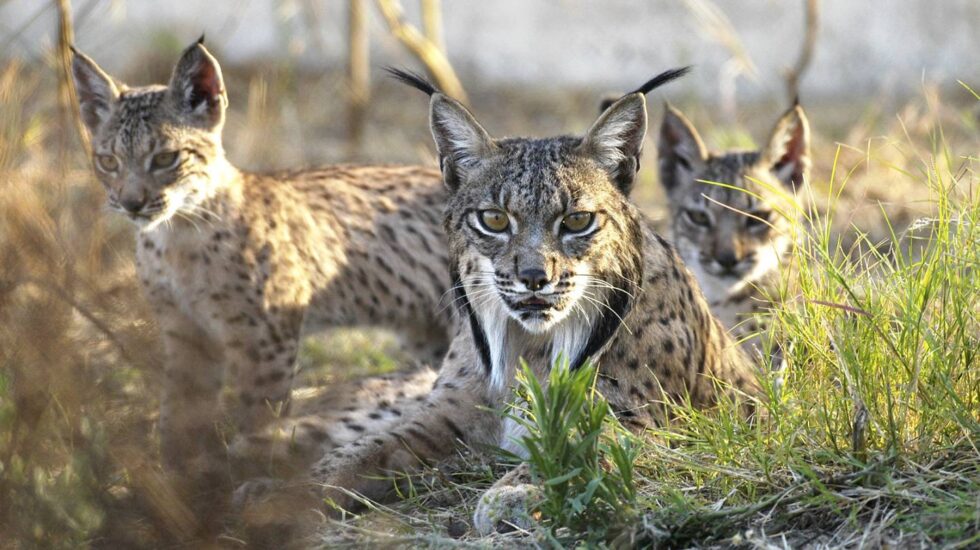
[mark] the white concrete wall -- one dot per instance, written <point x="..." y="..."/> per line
<point x="865" y="46"/>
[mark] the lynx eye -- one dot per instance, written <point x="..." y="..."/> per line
<point x="684" y="163"/>
<point x="577" y="222"/>
<point x="107" y="163"/>
<point x="758" y="221"/>
<point x="698" y="217"/>
<point x="495" y="221"/>
<point x="163" y="160"/>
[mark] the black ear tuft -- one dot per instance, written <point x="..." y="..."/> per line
<point x="647" y="87"/>
<point x="200" y="40"/>
<point x="661" y="79"/>
<point x="413" y="79"/>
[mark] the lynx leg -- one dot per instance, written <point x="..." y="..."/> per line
<point x="189" y="405"/>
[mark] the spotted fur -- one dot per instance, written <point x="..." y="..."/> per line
<point x="613" y="292"/>
<point x="736" y="238"/>
<point x="237" y="265"/>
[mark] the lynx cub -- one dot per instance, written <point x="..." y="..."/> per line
<point x="549" y="259"/>
<point x="237" y="265"/>
<point x="735" y="240"/>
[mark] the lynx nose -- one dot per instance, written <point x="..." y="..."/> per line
<point x="727" y="259"/>
<point x="133" y="204"/>
<point x="533" y="279"/>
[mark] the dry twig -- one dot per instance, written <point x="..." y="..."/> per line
<point x="795" y="73"/>
<point x="66" y="85"/>
<point x="358" y="71"/>
<point x="425" y="50"/>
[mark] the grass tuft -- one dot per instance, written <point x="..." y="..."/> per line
<point x="578" y="453"/>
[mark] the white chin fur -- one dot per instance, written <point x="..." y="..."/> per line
<point x="507" y="335"/>
<point x="176" y="201"/>
<point x="539" y="324"/>
<point x="150" y="225"/>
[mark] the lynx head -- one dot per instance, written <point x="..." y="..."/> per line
<point x="727" y="236"/>
<point x="153" y="145"/>
<point x="544" y="242"/>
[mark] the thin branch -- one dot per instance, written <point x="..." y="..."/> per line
<point x="795" y="73"/>
<point x="432" y="22"/>
<point x="429" y="54"/>
<point x="358" y="71"/>
<point x="69" y="105"/>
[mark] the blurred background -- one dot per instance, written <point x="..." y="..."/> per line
<point x="864" y="47"/>
<point x="885" y="85"/>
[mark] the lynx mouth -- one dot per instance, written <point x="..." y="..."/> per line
<point x="533" y="304"/>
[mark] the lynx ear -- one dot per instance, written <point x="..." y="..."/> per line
<point x="460" y="140"/>
<point x="95" y="89"/>
<point x="680" y="150"/>
<point x="788" y="152"/>
<point x="197" y="88"/>
<point x="615" y="140"/>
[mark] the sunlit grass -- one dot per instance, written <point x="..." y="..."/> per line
<point x="872" y="424"/>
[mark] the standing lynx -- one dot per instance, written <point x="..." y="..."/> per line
<point x="237" y="265"/>
<point x="735" y="237"/>
<point x="550" y="261"/>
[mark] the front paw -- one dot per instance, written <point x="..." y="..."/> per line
<point x="505" y="508"/>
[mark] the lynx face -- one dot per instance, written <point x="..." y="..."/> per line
<point x="734" y="236"/>
<point x="536" y="239"/>
<point x="154" y="147"/>
<point x="543" y="239"/>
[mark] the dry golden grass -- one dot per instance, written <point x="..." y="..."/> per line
<point x="79" y="361"/>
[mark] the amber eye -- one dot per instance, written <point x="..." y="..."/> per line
<point x="163" y="160"/>
<point x="494" y="220"/>
<point x="698" y="217"/>
<point x="107" y="163"/>
<point x="577" y="222"/>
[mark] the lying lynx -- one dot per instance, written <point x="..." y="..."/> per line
<point x="238" y="265"/>
<point x="550" y="262"/>
<point x="735" y="237"/>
